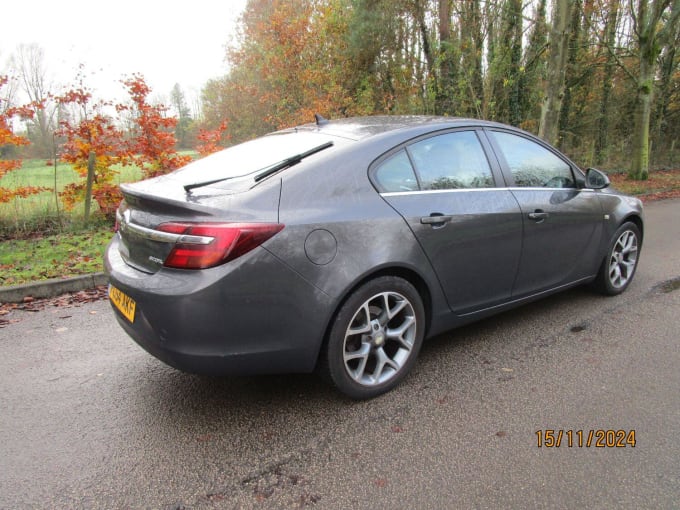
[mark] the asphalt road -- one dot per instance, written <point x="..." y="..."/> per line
<point x="88" y="420"/>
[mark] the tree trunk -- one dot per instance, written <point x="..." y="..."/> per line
<point x="602" y="141"/>
<point x="557" y="64"/>
<point x="534" y="66"/>
<point x="488" y="108"/>
<point x="639" y="169"/>
<point x="652" y="35"/>
<point x="665" y="89"/>
<point x="571" y="77"/>
<point x="444" y="100"/>
<point x="474" y="39"/>
<point x="514" y="100"/>
<point x="91" y="160"/>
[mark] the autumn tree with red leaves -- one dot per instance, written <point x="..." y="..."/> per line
<point x="209" y="139"/>
<point x="153" y="141"/>
<point x="96" y="134"/>
<point x="9" y="139"/>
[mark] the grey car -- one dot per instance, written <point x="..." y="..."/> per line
<point x="340" y="245"/>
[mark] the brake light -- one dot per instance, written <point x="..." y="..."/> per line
<point x="204" y="245"/>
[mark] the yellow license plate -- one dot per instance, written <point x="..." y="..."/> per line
<point x="123" y="302"/>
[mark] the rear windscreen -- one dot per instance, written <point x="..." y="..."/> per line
<point x="253" y="156"/>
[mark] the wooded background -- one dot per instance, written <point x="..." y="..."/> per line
<point x="598" y="78"/>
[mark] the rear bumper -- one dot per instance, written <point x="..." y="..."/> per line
<point x="253" y="315"/>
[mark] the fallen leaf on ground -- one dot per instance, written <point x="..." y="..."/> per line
<point x="31" y="304"/>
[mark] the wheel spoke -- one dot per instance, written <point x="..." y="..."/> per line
<point x="627" y="266"/>
<point x="613" y="265"/>
<point x="382" y="361"/>
<point x="366" y="326"/>
<point x="628" y="244"/>
<point x="361" y="354"/>
<point x="398" y="332"/>
<point x="400" y="305"/>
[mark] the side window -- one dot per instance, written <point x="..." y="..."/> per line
<point x="451" y="161"/>
<point x="532" y="165"/>
<point x="396" y="174"/>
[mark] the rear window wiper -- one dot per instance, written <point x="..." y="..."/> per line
<point x="266" y="171"/>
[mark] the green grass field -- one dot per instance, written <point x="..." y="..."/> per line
<point x="39" y="212"/>
<point x="56" y="256"/>
<point x="20" y="213"/>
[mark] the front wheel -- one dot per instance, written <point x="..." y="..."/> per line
<point x="375" y="338"/>
<point x="618" y="268"/>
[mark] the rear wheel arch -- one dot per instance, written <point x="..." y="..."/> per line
<point x="405" y="273"/>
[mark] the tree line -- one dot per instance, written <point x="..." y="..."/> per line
<point x="598" y="78"/>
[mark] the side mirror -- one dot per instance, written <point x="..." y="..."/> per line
<point x="596" y="179"/>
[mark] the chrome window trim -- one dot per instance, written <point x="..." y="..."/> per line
<point x="540" y="188"/>
<point x="431" y="191"/>
<point x="459" y="190"/>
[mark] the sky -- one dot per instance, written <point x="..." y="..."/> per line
<point x="167" y="42"/>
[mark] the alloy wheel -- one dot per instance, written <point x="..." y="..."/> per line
<point x="380" y="338"/>
<point x="623" y="259"/>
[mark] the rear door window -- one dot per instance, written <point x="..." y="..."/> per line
<point x="451" y="161"/>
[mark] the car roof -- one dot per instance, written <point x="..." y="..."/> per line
<point x="359" y="128"/>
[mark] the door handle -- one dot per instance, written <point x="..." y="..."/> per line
<point x="538" y="215"/>
<point x="436" y="219"/>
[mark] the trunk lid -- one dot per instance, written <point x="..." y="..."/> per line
<point x="149" y="204"/>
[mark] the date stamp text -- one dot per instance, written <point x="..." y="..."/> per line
<point x="597" y="438"/>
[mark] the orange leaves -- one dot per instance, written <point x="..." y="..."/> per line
<point x="289" y="65"/>
<point x="8" y="138"/>
<point x="154" y="143"/>
<point x="8" y="165"/>
<point x="78" y="96"/>
<point x="108" y="196"/>
<point x="22" y="192"/>
<point x="94" y="133"/>
<point x="209" y="139"/>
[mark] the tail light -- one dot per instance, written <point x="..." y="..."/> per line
<point x="203" y="245"/>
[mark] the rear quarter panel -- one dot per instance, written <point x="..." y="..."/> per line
<point x="360" y="234"/>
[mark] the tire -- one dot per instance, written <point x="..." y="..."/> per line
<point x="374" y="339"/>
<point x="618" y="267"/>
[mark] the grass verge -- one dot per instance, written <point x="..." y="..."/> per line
<point x="45" y="211"/>
<point x="54" y="256"/>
